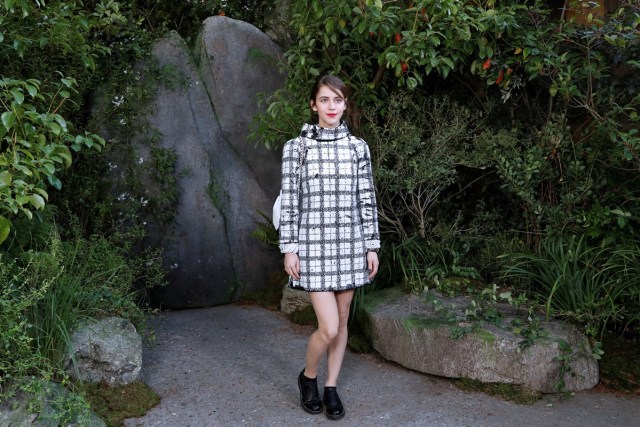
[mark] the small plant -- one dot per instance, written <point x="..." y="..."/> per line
<point x="565" y="358"/>
<point x="265" y="231"/>
<point x="529" y="328"/>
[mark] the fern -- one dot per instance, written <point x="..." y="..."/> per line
<point x="265" y="231"/>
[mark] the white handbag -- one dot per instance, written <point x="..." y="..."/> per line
<point x="276" y="211"/>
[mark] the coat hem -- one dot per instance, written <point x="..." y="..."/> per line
<point x="344" y="288"/>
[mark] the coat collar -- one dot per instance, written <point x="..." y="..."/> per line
<point x="318" y="133"/>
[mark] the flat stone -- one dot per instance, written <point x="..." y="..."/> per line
<point x="408" y="330"/>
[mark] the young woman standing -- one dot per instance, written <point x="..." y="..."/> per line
<point x="328" y="232"/>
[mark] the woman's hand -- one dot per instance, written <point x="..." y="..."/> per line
<point x="372" y="264"/>
<point x="292" y="265"/>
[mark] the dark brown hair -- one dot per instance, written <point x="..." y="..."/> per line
<point x="351" y="116"/>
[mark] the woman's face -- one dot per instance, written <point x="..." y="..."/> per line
<point x="330" y="106"/>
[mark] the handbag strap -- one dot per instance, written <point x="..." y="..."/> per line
<point x="303" y="152"/>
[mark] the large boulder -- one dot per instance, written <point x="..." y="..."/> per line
<point x="196" y="248"/>
<point x="223" y="179"/>
<point x="416" y="334"/>
<point x="237" y="62"/>
<point x="107" y="350"/>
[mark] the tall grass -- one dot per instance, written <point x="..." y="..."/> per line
<point x="575" y="281"/>
<point x="624" y="265"/>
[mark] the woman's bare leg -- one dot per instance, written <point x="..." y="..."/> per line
<point x="338" y="346"/>
<point x="325" y="306"/>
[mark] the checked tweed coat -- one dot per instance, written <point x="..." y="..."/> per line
<point x="328" y="208"/>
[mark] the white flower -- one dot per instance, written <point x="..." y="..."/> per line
<point x="112" y="166"/>
<point x="123" y="122"/>
<point x="140" y="160"/>
<point x="123" y="196"/>
<point x="174" y="266"/>
<point x="143" y="201"/>
<point x="117" y="100"/>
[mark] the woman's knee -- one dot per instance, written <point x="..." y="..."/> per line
<point x="329" y="332"/>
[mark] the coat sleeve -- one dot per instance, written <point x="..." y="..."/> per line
<point x="289" y="210"/>
<point x="367" y="198"/>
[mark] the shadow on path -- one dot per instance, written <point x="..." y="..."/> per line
<point x="236" y="365"/>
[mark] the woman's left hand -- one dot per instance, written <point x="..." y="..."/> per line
<point x="372" y="264"/>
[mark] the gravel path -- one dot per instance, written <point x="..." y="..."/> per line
<point x="237" y="365"/>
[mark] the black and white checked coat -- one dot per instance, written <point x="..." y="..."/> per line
<point x="330" y="217"/>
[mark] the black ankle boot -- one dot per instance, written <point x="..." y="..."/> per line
<point x="332" y="402"/>
<point x="309" y="398"/>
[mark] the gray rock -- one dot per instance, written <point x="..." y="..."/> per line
<point x="44" y="409"/>
<point x="293" y="299"/>
<point x="203" y="116"/>
<point x="223" y="179"/>
<point x="108" y="350"/>
<point x="196" y="248"/>
<point x="408" y="330"/>
<point x="237" y="61"/>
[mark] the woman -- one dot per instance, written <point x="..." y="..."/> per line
<point x="328" y="232"/>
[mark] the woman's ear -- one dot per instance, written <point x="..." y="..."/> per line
<point x="313" y="105"/>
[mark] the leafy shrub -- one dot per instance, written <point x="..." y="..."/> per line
<point x="416" y="148"/>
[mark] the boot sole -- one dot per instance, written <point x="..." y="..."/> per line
<point x="335" y="417"/>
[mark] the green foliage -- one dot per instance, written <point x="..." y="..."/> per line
<point x="416" y="150"/>
<point x="620" y="365"/>
<point x="589" y="285"/>
<point x="185" y="17"/>
<point x="589" y="69"/>
<point x="42" y="100"/>
<point x="34" y="145"/>
<point x="50" y="403"/>
<point x="45" y="294"/>
<point x="265" y="231"/>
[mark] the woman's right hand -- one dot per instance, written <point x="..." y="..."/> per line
<point x="292" y="265"/>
